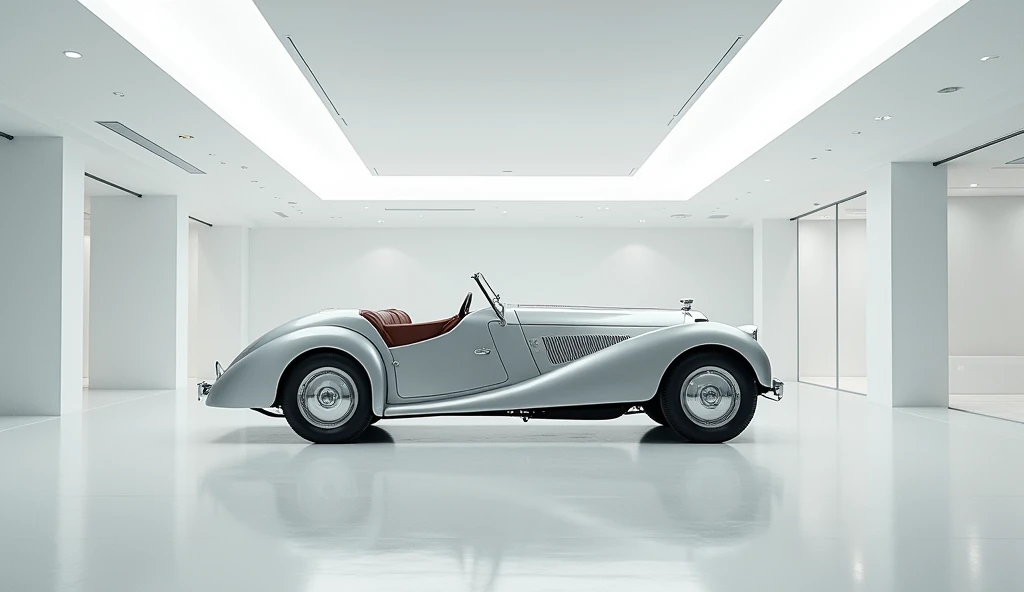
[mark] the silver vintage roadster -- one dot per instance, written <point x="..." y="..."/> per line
<point x="334" y="373"/>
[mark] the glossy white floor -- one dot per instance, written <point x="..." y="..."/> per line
<point x="154" y="492"/>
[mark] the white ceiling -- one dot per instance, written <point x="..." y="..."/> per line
<point x="536" y="88"/>
<point x="47" y="94"/>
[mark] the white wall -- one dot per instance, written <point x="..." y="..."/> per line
<point x="986" y="289"/>
<point x="426" y="272"/>
<point x="138" y="302"/>
<point x="219" y="317"/>
<point x="41" y="240"/>
<point x="775" y="290"/>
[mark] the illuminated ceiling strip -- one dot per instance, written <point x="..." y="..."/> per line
<point x="803" y="56"/>
<point x="806" y="53"/>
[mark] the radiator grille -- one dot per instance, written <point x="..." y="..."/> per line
<point x="566" y="348"/>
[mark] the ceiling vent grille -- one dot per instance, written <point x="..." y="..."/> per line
<point x="282" y="214"/>
<point x="718" y="216"/>
<point x="126" y="132"/>
<point x="429" y="209"/>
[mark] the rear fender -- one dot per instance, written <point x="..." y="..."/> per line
<point x="253" y="380"/>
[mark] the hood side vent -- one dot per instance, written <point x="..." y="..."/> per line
<point x="129" y="134"/>
<point x="562" y="349"/>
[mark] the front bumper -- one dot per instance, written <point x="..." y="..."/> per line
<point x="775" y="392"/>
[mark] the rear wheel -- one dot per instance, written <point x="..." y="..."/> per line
<point x="326" y="399"/>
<point x="709" y="397"/>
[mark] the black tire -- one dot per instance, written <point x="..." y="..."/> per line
<point x="303" y="419"/>
<point x="653" y="410"/>
<point x="732" y="423"/>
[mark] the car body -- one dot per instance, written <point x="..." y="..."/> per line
<point x="349" y="368"/>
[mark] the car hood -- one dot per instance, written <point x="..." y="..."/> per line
<point x="530" y="314"/>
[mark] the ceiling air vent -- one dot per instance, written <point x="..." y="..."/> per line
<point x="429" y="209"/>
<point x="680" y="216"/>
<point x="718" y="216"/>
<point x="127" y="133"/>
<point x="1017" y="161"/>
<point x="282" y="214"/>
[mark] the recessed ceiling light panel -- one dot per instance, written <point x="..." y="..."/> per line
<point x="989" y="57"/>
<point x="949" y="90"/>
<point x="883" y="118"/>
<point x="130" y="134"/>
<point x="72" y="54"/>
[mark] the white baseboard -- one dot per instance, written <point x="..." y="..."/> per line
<point x="986" y="375"/>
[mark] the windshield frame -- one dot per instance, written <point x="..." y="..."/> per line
<point x="493" y="298"/>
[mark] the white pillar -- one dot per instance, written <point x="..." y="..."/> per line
<point x="138" y="306"/>
<point x="775" y="293"/>
<point x="908" y="294"/>
<point x="221" y="322"/>
<point x="41" y="260"/>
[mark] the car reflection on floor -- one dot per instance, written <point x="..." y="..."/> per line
<point x="486" y="505"/>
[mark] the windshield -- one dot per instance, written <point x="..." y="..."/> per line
<point x="493" y="298"/>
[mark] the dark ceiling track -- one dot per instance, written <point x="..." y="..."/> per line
<point x="6" y="136"/>
<point x="981" y="147"/>
<point x="313" y="75"/>
<point x="201" y="221"/>
<point x="114" y="185"/>
<point x="831" y="205"/>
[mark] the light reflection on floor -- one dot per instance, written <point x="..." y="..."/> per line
<point x="823" y="492"/>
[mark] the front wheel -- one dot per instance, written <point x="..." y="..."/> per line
<point x="326" y="399"/>
<point x="709" y="397"/>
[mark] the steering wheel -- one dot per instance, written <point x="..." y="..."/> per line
<point x="465" y="305"/>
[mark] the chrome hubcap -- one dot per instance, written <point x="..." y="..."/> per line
<point x="710" y="396"/>
<point x="328" y="397"/>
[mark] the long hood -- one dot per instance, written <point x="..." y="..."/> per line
<point x="601" y="317"/>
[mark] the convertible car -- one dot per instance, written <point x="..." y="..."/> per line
<point x="335" y="372"/>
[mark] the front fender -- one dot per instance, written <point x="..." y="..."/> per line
<point x="252" y="381"/>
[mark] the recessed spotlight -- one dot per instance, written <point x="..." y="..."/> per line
<point x="222" y="162"/>
<point x="503" y="212"/>
<point x="856" y="133"/>
<point x="814" y="158"/>
<point x="984" y="59"/>
<point x="506" y="171"/>
<point x="642" y="221"/>
<point x="212" y="154"/>
<point x="681" y="216"/>
<point x="185" y="136"/>
<point x="72" y="54"/>
<point x="949" y="90"/>
<point x="380" y="221"/>
<point x="883" y="118"/>
<point x="767" y="180"/>
<point x="816" y="204"/>
<point x="579" y="217"/>
<point x="262" y="187"/>
<point x="292" y="202"/>
<point x="366" y="207"/>
<point x="254" y="181"/>
<point x="974" y="184"/>
<point x="244" y="167"/>
<point x="828" y="150"/>
<point x="118" y="94"/>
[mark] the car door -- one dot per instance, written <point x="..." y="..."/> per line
<point x="463" y="359"/>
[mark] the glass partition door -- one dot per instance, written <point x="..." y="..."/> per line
<point x="832" y="295"/>
<point x="817" y="288"/>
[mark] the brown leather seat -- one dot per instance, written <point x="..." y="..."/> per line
<point x="396" y="330"/>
